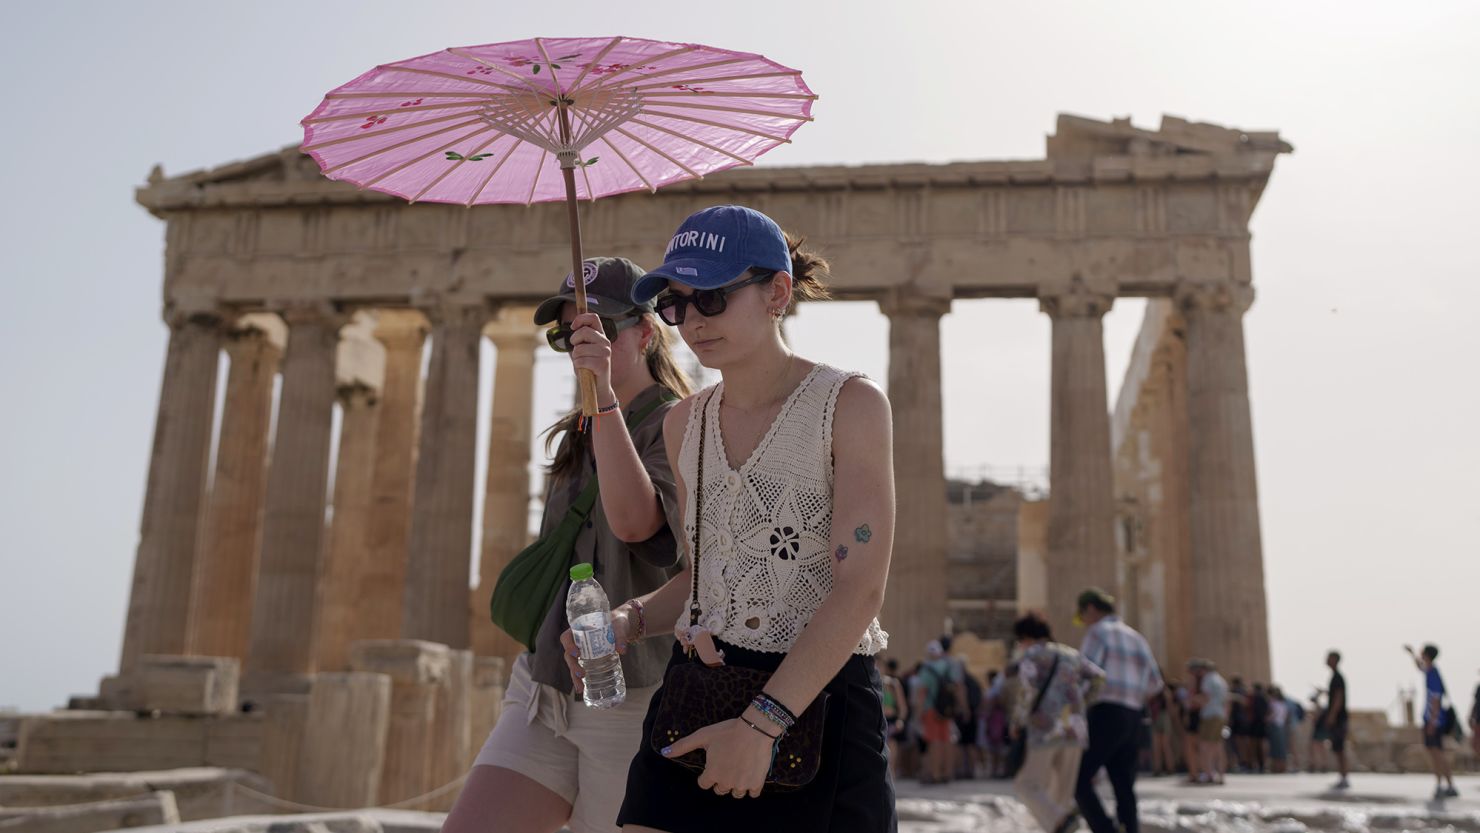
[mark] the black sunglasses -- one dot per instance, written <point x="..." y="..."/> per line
<point x="559" y="335"/>
<point x="709" y="302"/>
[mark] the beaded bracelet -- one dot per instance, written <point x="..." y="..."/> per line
<point x="775" y="720"/>
<point x="636" y="607"/>
<point x="612" y="408"/>
<point x="774" y="711"/>
<point x="780" y="706"/>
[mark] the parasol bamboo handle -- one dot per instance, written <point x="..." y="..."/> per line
<point x="585" y="378"/>
<point x="569" y="158"/>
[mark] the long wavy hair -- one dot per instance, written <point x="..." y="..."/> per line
<point x="568" y="445"/>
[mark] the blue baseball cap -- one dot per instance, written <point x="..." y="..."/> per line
<point x="716" y="246"/>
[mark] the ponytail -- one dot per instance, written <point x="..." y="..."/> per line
<point x="808" y="268"/>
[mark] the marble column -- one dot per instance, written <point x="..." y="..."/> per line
<point x="383" y="585"/>
<point x="1081" y="502"/>
<point x="159" y="602"/>
<point x="280" y="652"/>
<point x="915" y="603"/>
<point x="436" y="607"/>
<point x="226" y="563"/>
<point x="346" y="558"/>
<point x="1171" y="536"/>
<point x="1230" y="619"/>
<point x="506" y="500"/>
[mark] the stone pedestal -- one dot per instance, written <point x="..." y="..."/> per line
<point x="436" y="601"/>
<point x="915" y="602"/>
<point x="159" y="602"/>
<point x="1230" y="621"/>
<point x="1081" y="505"/>
<point x="281" y="644"/>
<point x="420" y="673"/>
<point x="383" y="585"/>
<point x="506" y="501"/>
<point x="343" y="749"/>
<point x="226" y="561"/>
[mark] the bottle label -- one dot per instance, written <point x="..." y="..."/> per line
<point x="594" y="635"/>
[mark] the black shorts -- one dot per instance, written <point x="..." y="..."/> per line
<point x="1337" y="734"/>
<point x="852" y="793"/>
<point x="967" y="731"/>
<point x="1434" y="739"/>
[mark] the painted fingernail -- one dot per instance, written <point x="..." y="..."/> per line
<point x="667" y="750"/>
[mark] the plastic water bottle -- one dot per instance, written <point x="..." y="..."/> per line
<point x="590" y="617"/>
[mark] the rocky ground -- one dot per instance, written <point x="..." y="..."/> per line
<point x="1247" y="804"/>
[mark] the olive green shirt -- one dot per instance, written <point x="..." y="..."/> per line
<point x="624" y="570"/>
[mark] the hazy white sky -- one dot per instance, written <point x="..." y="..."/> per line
<point x="1365" y="262"/>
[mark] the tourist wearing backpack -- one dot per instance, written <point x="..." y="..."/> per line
<point x="940" y="696"/>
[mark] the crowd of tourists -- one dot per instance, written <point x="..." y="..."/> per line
<point x="1200" y="727"/>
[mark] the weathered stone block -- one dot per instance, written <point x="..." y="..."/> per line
<point x="155" y="808"/>
<point x="343" y="748"/>
<point x="189" y="685"/>
<point x="175" y="685"/>
<point x="418" y="671"/>
<point x="67" y="742"/>
<point x="285" y="722"/>
<point x="200" y="793"/>
<point x="451" y="755"/>
<point x="70" y="742"/>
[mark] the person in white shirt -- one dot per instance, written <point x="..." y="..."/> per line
<point x="1211" y="702"/>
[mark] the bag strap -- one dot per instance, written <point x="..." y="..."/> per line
<point x="1043" y="689"/>
<point x="586" y="500"/>
<point x="694" y="610"/>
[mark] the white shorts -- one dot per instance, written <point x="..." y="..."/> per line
<point x="578" y="753"/>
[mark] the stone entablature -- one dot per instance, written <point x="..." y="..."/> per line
<point x="1129" y="211"/>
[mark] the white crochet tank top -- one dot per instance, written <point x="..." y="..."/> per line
<point x="767" y="561"/>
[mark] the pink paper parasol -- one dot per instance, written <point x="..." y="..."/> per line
<point x="554" y="118"/>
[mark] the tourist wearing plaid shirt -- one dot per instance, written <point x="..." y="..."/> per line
<point x="1131" y="674"/>
<point x="1131" y="678"/>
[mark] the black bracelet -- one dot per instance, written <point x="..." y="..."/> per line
<point x="772" y="737"/>
<point x="615" y="406"/>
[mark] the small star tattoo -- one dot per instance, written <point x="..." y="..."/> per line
<point x="863" y="534"/>
<point x="842" y="552"/>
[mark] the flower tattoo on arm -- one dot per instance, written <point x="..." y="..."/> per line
<point x="863" y="534"/>
<point x="841" y="552"/>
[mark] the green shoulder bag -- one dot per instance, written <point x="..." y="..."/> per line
<point x="531" y="582"/>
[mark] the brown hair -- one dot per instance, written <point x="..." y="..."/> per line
<point x="808" y="268"/>
<point x="1032" y="625"/>
<point x="569" y="445"/>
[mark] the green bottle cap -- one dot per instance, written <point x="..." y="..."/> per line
<point x="581" y="572"/>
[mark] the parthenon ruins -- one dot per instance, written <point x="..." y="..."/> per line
<point x="337" y="292"/>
